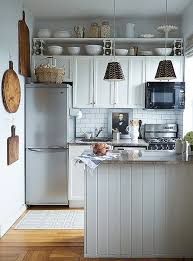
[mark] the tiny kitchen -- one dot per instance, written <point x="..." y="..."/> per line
<point x="97" y="129"/>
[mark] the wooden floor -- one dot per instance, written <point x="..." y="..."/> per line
<point x="46" y="245"/>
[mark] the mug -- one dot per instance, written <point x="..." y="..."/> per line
<point x="79" y="31"/>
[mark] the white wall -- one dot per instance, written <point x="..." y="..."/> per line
<point x="188" y="112"/>
<point x="96" y="118"/>
<point x="12" y="190"/>
<point x="187" y="21"/>
<point x="187" y="28"/>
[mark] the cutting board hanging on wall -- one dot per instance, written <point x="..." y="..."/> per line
<point x="24" y="47"/>
<point x="11" y="91"/>
<point x="12" y="147"/>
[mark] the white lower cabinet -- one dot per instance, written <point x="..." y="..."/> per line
<point x="76" y="176"/>
<point x="139" y="210"/>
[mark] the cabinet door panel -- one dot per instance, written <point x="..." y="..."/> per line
<point x="153" y="62"/>
<point x="83" y="82"/>
<point x="103" y="90"/>
<point x="121" y="92"/>
<point x="76" y="173"/>
<point x="136" y="82"/>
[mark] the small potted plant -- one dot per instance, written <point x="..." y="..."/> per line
<point x="189" y="137"/>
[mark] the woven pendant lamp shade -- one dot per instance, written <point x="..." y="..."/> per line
<point x="114" y="72"/>
<point x="165" y="71"/>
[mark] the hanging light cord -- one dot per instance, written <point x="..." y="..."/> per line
<point x="166" y="21"/>
<point x="114" y="30"/>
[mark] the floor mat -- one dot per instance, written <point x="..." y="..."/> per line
<point x="52" y="219"/>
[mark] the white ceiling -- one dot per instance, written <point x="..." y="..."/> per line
<point x="99" y="8"/>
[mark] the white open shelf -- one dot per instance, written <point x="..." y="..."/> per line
<point x="100" y="40"/>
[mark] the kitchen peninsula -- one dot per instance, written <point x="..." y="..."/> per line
<point x="140" y="205"/>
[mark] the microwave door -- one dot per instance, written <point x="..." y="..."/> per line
<point x="163" y="98"/>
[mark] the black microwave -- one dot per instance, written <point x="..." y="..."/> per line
<point x="165" y="95"/>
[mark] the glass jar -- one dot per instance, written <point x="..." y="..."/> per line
<point x="105" y="30"/>
<point x="94" y="31"/>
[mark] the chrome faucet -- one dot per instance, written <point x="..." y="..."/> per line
<point x="98" y="131"/>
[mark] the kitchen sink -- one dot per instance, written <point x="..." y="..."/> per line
<point x="96" y="140"/>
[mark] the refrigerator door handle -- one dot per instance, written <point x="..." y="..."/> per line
<point x="51" y="149"/>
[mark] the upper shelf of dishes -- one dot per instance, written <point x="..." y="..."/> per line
<point x="99" y="40"/>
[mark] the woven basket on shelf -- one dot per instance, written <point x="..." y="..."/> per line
<point x="49" y="75"/>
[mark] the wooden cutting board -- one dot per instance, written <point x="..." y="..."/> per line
<point x="12" y="147"/>
<point x="24" y="47"/>
<point x="11" y="91"/>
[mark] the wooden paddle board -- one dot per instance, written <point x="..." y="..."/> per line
<point x="12" y="147"/>
<point x="24" y="47"/>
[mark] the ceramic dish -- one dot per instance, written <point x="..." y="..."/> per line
<point x="62" y="34"/>
<point x="167" y="29"/>
<point x="55" y="50"/>
<point x="147" y="35"/>
<point x="44" y="33"/>
<point x="72" y="50"/>
<point x="163" y="51"/>
<point x="93" y="49"/>
<point x="146" y="53"/>
<point x="121" y="52"/>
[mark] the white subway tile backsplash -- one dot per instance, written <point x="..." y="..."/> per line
<point x="95" y="118"/>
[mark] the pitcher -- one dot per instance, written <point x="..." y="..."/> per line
<point x="133" y="132"/>
<point x="130" y="30"/>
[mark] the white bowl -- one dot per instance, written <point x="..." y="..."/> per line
<point x="162" y="52"/>
<point x="121" y="52"/>
<point x="44" y="33"/>
<point x="93" y="49"/>
<point x="145" y="53"/>
<point x="73" y="50"/>
<point x="62" y="34"/>
<point x="55" y="50"/>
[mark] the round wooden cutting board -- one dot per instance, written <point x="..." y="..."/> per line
<point x="11" y="91"/>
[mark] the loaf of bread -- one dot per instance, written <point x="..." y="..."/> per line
<point x="100" y="149"/>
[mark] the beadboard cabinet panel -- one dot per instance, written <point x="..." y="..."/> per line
<point x="136" y="210"/>
<point x="139" y="210"/>
<point x="160" y="245"/>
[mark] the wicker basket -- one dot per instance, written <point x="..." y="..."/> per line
<point x="49" y="75"/>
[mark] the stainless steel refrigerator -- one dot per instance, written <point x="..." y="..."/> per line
<point x="49" y="127"/>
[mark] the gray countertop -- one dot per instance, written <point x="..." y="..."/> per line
<point x="137" y="156"/>
<point x="121" y="142"/>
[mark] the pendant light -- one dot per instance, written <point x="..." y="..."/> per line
<point x="114" y="71"/>
<point x="165" y="69"/>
